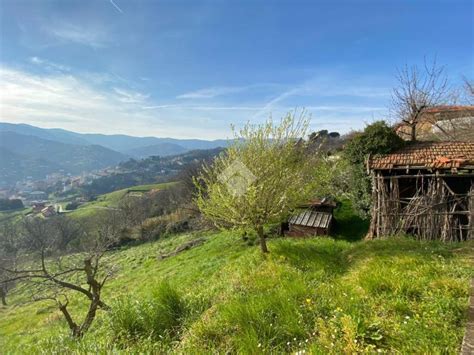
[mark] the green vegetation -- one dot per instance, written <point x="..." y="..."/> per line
<point x="112" y="199"/>
<point x="25" y="155"/>
<point x="9" y="205"/>
<point x="209" y="292"/>
<point x="260" y="178"/>
<point x="377" y="138"/>
<point x="13" y="215"/>
<point x="320" y="294"/>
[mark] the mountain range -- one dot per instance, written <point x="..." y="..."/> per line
<point x="29" y="151"/>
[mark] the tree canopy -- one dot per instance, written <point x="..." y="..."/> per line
<point x="260" y="178"/>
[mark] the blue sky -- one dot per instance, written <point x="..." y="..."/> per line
<point x="191" y="68"/>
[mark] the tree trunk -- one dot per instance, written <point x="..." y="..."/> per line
<point x="413" y="132"/>
<point x="90" y="316"/>
<point x="3" y="295"/>
<point x="75" y="329"/>
<point x="261" y="237"/>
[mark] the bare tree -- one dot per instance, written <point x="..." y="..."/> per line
<point x="8" y="252"/>
<point x="458" y="125"/>
<point x="418" y="90"/>
<point x="455" y="129"/>
<point x="136" y="210"/>
<point x="48" y="275"/>
<point x="469" y="90"/>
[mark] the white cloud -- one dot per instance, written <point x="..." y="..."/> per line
<point x="70" y="102"/>
<point x="216" y="91"/>
<point x="98" y="104"/>
<point x="210" y="93"/>
<point x="79" y="34"/>
<point x="131" y="97"/>
<point x="107" y="103"/>
<point x="46" y="64"/>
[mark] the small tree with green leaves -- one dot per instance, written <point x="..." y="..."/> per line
<point x="262" y="176"/>
<point x="377" y="138"/>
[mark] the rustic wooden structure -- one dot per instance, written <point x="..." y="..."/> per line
<point x="313" y="218"/>
<point x="425" y="189"/>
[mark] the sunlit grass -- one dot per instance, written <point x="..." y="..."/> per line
<point x="320" y="295"/>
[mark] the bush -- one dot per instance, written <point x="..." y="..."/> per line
<point x="152" y="229"/>
<point x="377" y="138"/>
<point x="177" y="227"/>
<point x="72" y="206"/>
<point x="158" y="317"/>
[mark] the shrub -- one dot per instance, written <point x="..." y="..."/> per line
<point x="177" y="227"/>
<point x="377" y="138"/>
<point x="159" y="317"/>
<point x="153" y="229"/>
<point x="72" y="206"/>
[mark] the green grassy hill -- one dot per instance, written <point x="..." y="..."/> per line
<point x="13" y="215"/>
<point x="319" y="295"/>
<point x="112" y="199"/>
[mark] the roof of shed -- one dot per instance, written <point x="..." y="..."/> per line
<point x="429" y="155"/>
<point x="309" y="218"/>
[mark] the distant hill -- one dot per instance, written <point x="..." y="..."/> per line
<point x="118" y="142"/>
<point x="160" y="149"/>
<point x="15" y="167"/>
<point x="57" y="135"/>
<point x="150" y="170"/>
<point x="26" y="155"/>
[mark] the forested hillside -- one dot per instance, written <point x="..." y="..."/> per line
<point x="24" y="156"/>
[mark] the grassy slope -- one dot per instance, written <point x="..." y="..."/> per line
<point x="113" y="198"/>
<point x="106" y="200"/>
<point x="13" y="215"/>
<point x="322" y="295"/>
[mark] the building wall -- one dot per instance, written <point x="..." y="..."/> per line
<point x="453" y="125"/>
<point x="427" y="206"/>
<point x="304" y="231"/>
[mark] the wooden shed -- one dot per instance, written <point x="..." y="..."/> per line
<point x="425" y="189"/>
<point x="312" y="218"/>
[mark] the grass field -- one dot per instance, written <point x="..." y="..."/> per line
<point x="112" y="199"/>
<point x="319" y="295"/>
<point x="13" y="215"/>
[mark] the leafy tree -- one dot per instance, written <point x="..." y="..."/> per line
<point x="72" y="206"/>
<point x="377" y="138"/>
<point x="259" y="179"/>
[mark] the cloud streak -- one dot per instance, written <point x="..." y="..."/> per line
<point x="77" y="34"/>
<point x="109" y="103"/>
<point x="48" y="65"/>
<point x="116" y="6"/>
<point x="217" y="91"/>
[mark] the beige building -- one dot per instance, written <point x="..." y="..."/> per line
<point x="441" y="123"/>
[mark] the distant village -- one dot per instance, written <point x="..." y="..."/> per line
<point x="44" y="196"/>
<point x="52" y="195"/>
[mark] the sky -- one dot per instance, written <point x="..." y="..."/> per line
<point x="190" y="69"/>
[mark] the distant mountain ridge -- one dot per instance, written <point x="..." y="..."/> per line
<point x="124" y="144"/>
<point x="29" y="151"/>
<point x="24" y="155"/>
<point x="161" y="149"/>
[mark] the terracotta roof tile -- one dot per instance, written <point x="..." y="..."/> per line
<point x="435" y="155"/>
<point x="437" y="109"/>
